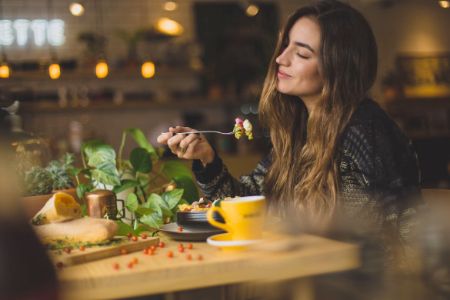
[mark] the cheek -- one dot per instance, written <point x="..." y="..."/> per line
<point x="311" y="76"/>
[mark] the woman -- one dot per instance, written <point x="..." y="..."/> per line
<point x="334" y="150"/>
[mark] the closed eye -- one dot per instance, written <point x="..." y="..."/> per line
<point x="302" y="56"/>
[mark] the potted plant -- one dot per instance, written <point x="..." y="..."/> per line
<point x="155" y="187"/>
<point x="39" y="183"/>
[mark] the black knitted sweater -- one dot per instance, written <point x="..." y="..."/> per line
<point x="378" y="169"/>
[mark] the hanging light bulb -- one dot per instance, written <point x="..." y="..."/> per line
<point x="170" y="5"/>
<point x="5" y="70"/>
<point x="252" y="10"/>
<point x="54" y="71"/>
<point x="101" y="69"/>
<point x="148" y="69"/>
<point x="169" y="27"/>
<point x="444" y="3"/>
<point x="76" y="9"/>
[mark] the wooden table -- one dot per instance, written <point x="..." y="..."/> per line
<point x="308" y="255"/>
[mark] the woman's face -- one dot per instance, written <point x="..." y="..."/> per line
<point x="298" y="64"/>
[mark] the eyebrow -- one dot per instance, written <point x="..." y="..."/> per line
<point x="300" y="44"/>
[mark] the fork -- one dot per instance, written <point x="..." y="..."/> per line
<point x="207" y="131"/>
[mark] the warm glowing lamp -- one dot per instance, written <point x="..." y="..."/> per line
<point x="54" y="71"/>
<point x="101" y="69"/>
<point x="252" y="10"/>
<point x="76" y="9"/>
<point x="5" y="71"/>
<point x="444" y="3"/>
<point x="148" y="69"/>
<point x="170" y="5"/>
<point x="169" y="27"/>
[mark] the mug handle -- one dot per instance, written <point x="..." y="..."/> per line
<point x="210" y="217"/>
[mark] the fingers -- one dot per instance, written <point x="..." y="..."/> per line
<point x="188" y="152"/>
<point x="178" y="129"/>
<point x="164" y="137"/>
<point x="174" y="142"/>
<point x="181" y="145"/>
<point x="187" y="140"/>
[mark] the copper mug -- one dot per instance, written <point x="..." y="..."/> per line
<point x="101" y="204"/>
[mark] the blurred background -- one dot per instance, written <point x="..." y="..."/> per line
<point x="89" y="69"/>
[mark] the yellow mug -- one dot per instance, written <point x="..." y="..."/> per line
<point x="244" y="217"/>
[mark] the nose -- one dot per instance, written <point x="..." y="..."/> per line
<point x="283" y="58"/>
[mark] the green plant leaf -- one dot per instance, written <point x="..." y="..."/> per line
<point x="153" y="203"/>
<point x="173" y="197"/>
<point x="143" y="179"/>
<point x="156" y="199"/>
<point x="83" y="210"/>
<point x="174" y="168"/>
<point x="135" y="224"/>
<point x="132" y="202"/>
<point x="106" y="173"/>
<point x="123" y="228"/>
<point x="152" y="220"/>
<point x="155" y="218"/>
<point x="141" y="160"/>
<point x="89" y="147"/>
<point x="74" y="171"/>
<point x="143" y="210"/>
<point x="125" y="185"/>
<point x="81" y="189"/>
<point x="190" y="188"/>
<point x="100" y="155"/>
<point x="141" y="140"/>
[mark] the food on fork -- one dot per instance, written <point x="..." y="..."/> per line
<point x="243" y="127"/>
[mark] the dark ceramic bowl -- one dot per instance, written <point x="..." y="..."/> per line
<point x="196" y="219"/>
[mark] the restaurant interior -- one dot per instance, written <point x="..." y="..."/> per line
<point x="85" y="70"/>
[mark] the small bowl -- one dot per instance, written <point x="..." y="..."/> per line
<point x="196" y="219"/>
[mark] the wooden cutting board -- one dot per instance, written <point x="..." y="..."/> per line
<point x="77" y="256"/>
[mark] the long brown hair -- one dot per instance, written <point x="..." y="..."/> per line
<point x="304" y="174"/>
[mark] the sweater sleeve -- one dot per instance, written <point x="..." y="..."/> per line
<point x="215" y="181"/>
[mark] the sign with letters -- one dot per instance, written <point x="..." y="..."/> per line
<point x="40" y="32"/>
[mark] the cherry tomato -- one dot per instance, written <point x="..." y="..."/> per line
<point x="129" y="235"/>
<point x="134" y="260"/>
<point x="130" y="265"/>
<point x="170" y="254"/>
<point x="200" y="257"/>
<point x="82" y="248"/>
<point x="189" y="257"/>
<point x="189" y="246"/>
<point x="146" y="251"/>
<point x="152" y="252"/>
<point x="144" y="236"/>
<point x="161" y="244"/>
<point x="180" y="249"/>
<point x="134" y="238"/>
<point x="116" y="266"/>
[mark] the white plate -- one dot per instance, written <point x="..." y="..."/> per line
<point x="224" y="242"/>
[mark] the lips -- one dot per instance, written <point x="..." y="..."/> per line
<point x="282" y="75"/>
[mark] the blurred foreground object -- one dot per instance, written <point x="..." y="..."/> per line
<point x="434" y="242"/>
<point x="26" y="272"/>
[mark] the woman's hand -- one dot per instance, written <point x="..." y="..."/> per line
<point x="187" y="146"/>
